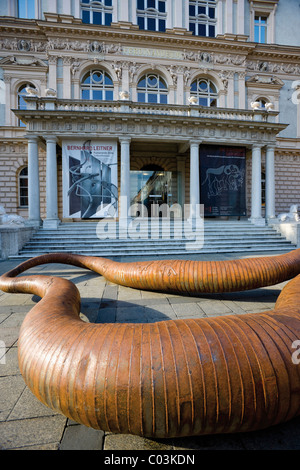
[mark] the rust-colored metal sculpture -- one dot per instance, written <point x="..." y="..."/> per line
<point x="171" y="378"/>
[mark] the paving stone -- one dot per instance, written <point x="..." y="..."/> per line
<point x="11" y="388"/>
<point x="187" y="310"/>
<point x="34" y="431"/>
<point x="79" y="437"/>
<point x="215" y="307"/>
<point x="106" y="315"/>
<point x="233" y="306"/>
<point x="129" y="442"/>
<point x="3" y="315"/>
<point x="9" y="335"/>
<point x="252" y="306"/>
<point x="131" y="315"/>
<point x="13" y="299"/>
<point x="11" y="365"/>
<point x="89" y="311"/>
<point x="15" y="319"/>
<point x="165" y="311"/>
<point x="28" y="406"/>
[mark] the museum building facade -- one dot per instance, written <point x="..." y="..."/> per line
<point x="108" y="105"/>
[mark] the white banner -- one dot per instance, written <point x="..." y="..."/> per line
<point x="90" y="179"/>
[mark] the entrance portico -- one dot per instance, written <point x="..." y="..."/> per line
<point x="55" y="121"/>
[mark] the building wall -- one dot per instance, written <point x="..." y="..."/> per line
<point x="62" y="66"/>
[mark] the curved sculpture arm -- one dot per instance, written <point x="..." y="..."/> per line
<point x="172" y="378"/>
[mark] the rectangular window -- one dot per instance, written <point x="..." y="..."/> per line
<point x="152" y="98"/>
<point x="26" y="9"/>
<point x="85" y="94"/>
<point x="108" y="19"/>
<point x="151" y="15"/>
<point x="211" y="31"/>
<point x="151" y="24"/>
<point x="202" y="30"/>
<point x="141" y="22"/>
<point x="202" y="17"/>
<point x="97" y="17"/>
<point x="141" y="98"/>
<point x="109" y="95"/>
<point x="99" y="13"/>
<point x="97" y="95"/>
<point x="162" y="7"/>
<point x="85" y="16"/>
<point x="162" y="26"/>
<point x="260" y="29"/>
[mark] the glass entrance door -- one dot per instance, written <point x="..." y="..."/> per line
<point x="152" y="189"/>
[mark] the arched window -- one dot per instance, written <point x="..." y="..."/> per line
<point x="97" y="85"/>
<point x="205" y="91"/>
<point x="23" y="187"/>
<point x="151" y="15"/>
<point x="262" y="102"/>
<point x="152" y="89"/>
<point x="21" y="102"/>
<point x="202" y="17"/>
<point x="96" y="12"/>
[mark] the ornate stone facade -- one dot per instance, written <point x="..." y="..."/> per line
<point x="50" y="55"/>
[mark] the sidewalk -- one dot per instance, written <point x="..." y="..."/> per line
<point x="26" y="424"/>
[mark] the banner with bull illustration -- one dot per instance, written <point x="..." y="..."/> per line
<point x="90" y="179"/>
<point x="222" y="180"/>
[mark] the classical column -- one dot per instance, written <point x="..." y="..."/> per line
<point x="34" y="217"/>
<point x="52" y="220"/>
<point x="256" y="200"/>
<point x="194" y="180"/>
<point x="270" y="182"/>
<point x="125" y="181"/>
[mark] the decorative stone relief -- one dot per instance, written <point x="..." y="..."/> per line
<point x="24" y="45"/>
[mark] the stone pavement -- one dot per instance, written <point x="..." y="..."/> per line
<point x="26" y="424"/>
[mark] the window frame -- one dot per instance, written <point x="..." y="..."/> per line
<point x="97" y="7"/>
<point x="149" y="90"/>
<point x="20" y="95"/>
<point x="27" y="16"/>
<point x="203" y="19"/>
<point x="152" y="13"/>
<point x="209" y="96"/>
<point x="96" y="86"/>
<point x="20" y="178"/>
<point x="259" y="27"/>
<point x="264" y="9"/>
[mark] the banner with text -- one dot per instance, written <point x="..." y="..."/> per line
<point x="222" y="180"/>
<point x="90" y="179"/>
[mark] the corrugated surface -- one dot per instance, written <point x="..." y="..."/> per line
<point x="172" y="378"/>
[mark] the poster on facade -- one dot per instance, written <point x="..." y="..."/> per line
<point x="90" y="179"/>
<point x="222" y="180"/>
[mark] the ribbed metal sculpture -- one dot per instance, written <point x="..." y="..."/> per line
<point x="224" y="374"/>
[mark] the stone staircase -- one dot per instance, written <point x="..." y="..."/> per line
<point x="151" y="237"/>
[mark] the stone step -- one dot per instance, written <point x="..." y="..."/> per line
<point x="171" y="240"/>
<point x="143" y="243"/>
<point x="161" y="253"/>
